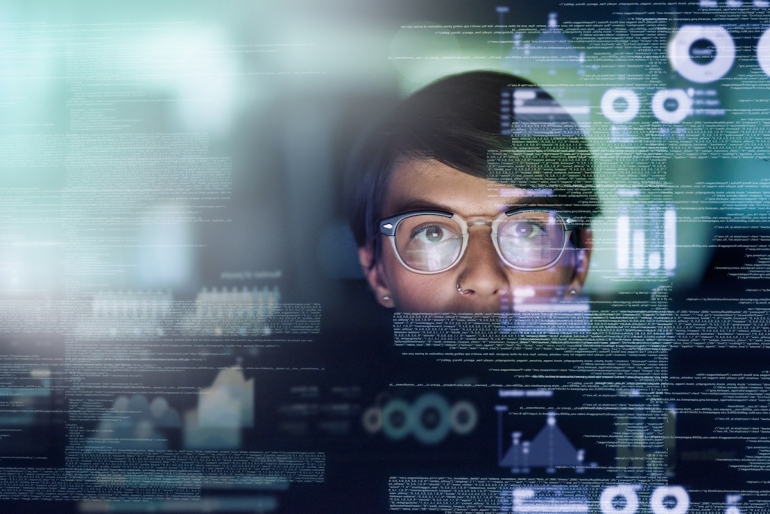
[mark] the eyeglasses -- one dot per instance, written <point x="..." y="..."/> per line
<point x="429" y="242"/>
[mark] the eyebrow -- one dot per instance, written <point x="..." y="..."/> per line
<point x="415" y="204"/>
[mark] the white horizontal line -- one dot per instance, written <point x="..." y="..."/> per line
<point x="563" y="507"/>
<point x="551" y="307"/>
<point x="516" y="393"/>
<point x="524" y="94"/>
<point x="552" y="110"/>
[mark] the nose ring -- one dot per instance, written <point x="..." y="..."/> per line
<point x="460" y="289"/>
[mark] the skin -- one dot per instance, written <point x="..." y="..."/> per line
<point x="428" y="184"/>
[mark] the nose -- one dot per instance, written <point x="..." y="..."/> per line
<point x="482" y="274"/>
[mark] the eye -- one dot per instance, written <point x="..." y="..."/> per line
<point x="432" y="234"/>
<point x="526" y="230"/>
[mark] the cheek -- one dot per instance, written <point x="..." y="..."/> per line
<point x="413" y="292"/>
<point x="423" y="293"/>
<point x="540" y="284"/>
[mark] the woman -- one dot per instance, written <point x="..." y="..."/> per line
<point x="475" y="191"/>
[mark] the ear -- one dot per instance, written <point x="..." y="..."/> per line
<point x="582" y="259"/>
<point x="375" y="276"/>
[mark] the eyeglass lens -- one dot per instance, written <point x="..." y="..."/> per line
<point x="527" y="240"/>
<point x="531" y="240"/>
<point x="429" y="243"/>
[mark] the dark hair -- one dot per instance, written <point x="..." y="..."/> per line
<point x="461" y="121"/>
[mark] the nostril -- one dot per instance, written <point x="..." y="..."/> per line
<point x="463" y="291"/>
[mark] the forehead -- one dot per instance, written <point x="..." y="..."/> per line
<point x="426" y="184"/>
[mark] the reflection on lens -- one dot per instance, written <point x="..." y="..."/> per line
<point x="531" y="239"/>
<point x="429" y="243"/>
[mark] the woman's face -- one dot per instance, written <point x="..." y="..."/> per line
<point x="481" y="275"/>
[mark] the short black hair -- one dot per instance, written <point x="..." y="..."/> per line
<point x="459" y="121"/>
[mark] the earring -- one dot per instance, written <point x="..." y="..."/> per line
<point x="573" y="291"/>
<point x="385" y="298"/>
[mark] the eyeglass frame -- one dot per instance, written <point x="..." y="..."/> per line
<point x="387" y="227"/>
